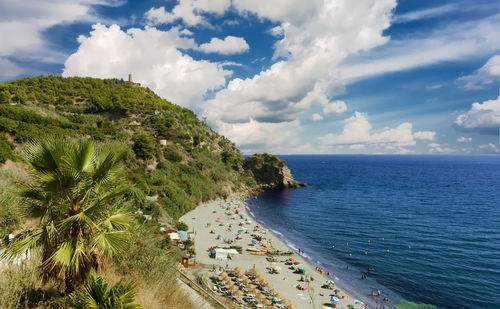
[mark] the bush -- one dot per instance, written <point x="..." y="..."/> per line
<point x="181" y="226"/>
<point x="144" y="146"/>
<point x="6" y="149"/>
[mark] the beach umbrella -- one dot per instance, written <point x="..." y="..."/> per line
<point x="181" y="233"/>
<point x="237" y="269"/>
<point x="337" y="291"/>
<point x="274" y="291"/>
<point x="291" y="307"/>
<point x="251" y="287"/>
<point x="267" y="284"/>
<point x="286" y="302"/>
<point x="358" y="302"/>
<point x="261" y="297"/>
<point x="278" y="295"/>
<point x="254" y="291"/>
<point x="234" y="288"/>
<point x="335" y="300"/>
<point x="330" y="282"/>
<point x="246" y="281"/>
<point x="292" y="260"/>
<point x="238" y="293"/>
<point x="267" y="302"/>
<point x="296" y="263"/>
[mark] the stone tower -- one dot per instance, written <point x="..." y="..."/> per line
<point x="131" y="78"/>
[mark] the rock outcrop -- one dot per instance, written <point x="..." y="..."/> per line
<point x="270" y="172"/>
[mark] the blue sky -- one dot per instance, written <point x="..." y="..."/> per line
<point x="285" y="76"/>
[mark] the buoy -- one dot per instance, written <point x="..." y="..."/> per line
<point x="333" y="246"/>
<point x="350" y="254"/>
<point x="387" y="250"/>
<point x="409" y="247"/>
<point x="366" y="253"/>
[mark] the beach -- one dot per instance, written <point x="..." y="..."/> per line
<point x="214" y="223"/>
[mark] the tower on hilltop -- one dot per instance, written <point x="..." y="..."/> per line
<point x="131" y="78"/>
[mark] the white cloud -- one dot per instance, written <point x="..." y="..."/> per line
<point x="357" y="147"/>
<point x="153" y="56"/>
<point x="482" y="117"/>
<point x="451" y="43"/>
<point x="489" y="148"/>
<point x="463" y="139"/>
<point x="230" y="45"/>
<point x="335" y="107"/>
<point x="277" y="31"/>
<point x="316" y="117"/>
<point x="8" y="69"/>
<point x="489" y="73"/>
<point x="315" y="37"/>
<point x="438" y="148"/>
<point x="189" y="11"/>
<point x="261" y="136"/>
<point x="424" y="135"/>
<point x="358" y="131"/>
<point x="426" y="13"/>
<point x="23" y="23"/>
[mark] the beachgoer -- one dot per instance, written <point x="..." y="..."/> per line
<point x="378" y="292"/>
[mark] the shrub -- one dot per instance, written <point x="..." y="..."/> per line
<point x="181" y="226"/>
<point x="144" y="146"/>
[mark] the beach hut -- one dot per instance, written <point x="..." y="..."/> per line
<point x="173" y="236"/>
<point x="185" y="260"/>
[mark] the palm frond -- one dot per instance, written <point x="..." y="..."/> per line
<point x="119" y="221"/>
<point x="111" y="243"/>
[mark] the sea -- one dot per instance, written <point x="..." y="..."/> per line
<point x="422" y="228"/>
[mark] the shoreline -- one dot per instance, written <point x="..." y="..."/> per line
<point x="203" y="219"/>
<point x="349" y="289"/>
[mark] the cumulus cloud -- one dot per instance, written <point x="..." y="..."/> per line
<point x="488" y="74"/>
<point x="463" y="139"/>
<point x="357" y="130"/>
<point x="189" y="11"/>
<point x="424" y="135"/>
<point x="153" y="56"/>
<point x="8" y="69"/>
<point x="438" y="148"/>
<point x="488" y="148"/>
<point x="315" y="36"/>
<point x="335" y="107"/>
<point x="23" y="25"/>
<point x="482" y="117"/>
<point x="230" y="45"/>
<point x="255" y="136"/>
<point x="316" y="117"/>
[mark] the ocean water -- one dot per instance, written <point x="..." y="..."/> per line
<point x="427" y="226"/>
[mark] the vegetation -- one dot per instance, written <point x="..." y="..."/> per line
<point x="77" y="195"/>
<point x="192" y="165"/>
<point x="86" y="141"/>
<point x="97" y="293"/>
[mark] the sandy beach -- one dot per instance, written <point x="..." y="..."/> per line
<point x="225" y="219"/>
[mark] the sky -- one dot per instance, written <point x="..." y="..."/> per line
<point x="285" y="76"/>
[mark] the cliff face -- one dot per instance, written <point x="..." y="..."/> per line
<point x="270" y="172"/>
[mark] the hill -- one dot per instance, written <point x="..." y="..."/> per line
<point x="172" y="154"/>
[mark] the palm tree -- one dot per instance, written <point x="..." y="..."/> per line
<point x="98" y="294"/>
<point x="78" y="195"/>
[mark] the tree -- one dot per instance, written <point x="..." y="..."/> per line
<point x="98" y="294"/>
<point x="144" y="146"/>
<point x="77" y="193"/>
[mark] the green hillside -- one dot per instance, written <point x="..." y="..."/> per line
<point x="172" y="154"/>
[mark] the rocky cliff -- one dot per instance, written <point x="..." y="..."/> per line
<point x="270" y="172"/>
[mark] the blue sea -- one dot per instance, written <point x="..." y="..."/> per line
<point x="427" y="226"/>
